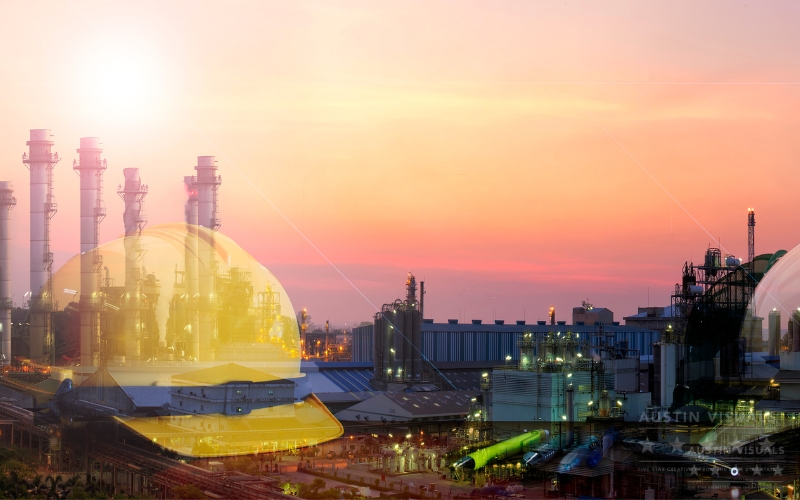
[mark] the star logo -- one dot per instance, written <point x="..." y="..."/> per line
<point x="693" y="471"/>
<point x="677" y="445"/>
<point x="757" y="470"/>
<point x="647" y="445"/>
<point x="715" y="471"/>
<point x="777" y="469"/>
<point x="766" y="446"/>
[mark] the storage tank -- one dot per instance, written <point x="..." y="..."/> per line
<point x="774" y="336"/>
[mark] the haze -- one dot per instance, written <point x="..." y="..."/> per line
<point x="513" y="155"/>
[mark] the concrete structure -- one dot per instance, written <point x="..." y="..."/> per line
<point x="652" y="318"/>
<point x="40" y="160"/>
<point x="133" y="193"/>
<point x="7" y="202"/>
<point x="589" y="315"/>
<point x="207" y="182"/>
<point x="90" y="168"/>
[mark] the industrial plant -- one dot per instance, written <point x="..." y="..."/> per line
<point x="151" y="361"/>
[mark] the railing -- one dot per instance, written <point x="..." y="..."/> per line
<point x="41" y="157"/>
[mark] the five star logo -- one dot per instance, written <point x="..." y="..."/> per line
<point x="766" y="446"/>
<point x="677" y="445"/>
<point x="777" y="469"/>
<point x="715" y="471"/>
<point x="693" y="471"/>
<point x="647" y="445"/>
<point x="757" y="470"/>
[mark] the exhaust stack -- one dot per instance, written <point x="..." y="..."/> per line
<point x="207" y="182"/>
<point x="40" y="161"/>
<point x="90" y="168"/>
<point x="7" y="202"/>
<point x="133" y="193"/>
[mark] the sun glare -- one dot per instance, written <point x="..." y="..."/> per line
<point x="120" y="83"/>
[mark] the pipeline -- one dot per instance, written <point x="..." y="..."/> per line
<point x="507" y="448"/>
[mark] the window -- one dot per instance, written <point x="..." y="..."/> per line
<point x="180" y="403"/>
<point x="201" y="408"/>
<point x="239" y="393"/>
<point x="238" y="409"/>
<point x="271" y="392"/>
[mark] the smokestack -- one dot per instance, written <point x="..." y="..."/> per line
<point x="7" y="202"/>
<point x="40" y="162"/>
<point x="207" y="182"/>
<point x="133" y="193"/>
<point x="90" y="168"/>
<point x="191" y="343"/>
<point x="751" y="236"/>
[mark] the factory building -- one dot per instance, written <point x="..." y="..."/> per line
<point x="480" y="342"/>
<point x="568" y="377"/>
<point x="652" y="318"/>
<point x="589" y="315"/>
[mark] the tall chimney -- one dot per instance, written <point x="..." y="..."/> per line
<point x="191" y="335"/>
<point x="90" y="168"/>
<point x="751" y="236"/>
<point x="40" y="161"/>
<point x="7" y="202"/>
<point x="207" y="182"/>
<point x="133" y="193"/>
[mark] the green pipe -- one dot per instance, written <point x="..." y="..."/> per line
<point x="507" y="448"/>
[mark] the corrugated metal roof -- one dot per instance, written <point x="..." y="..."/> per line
<point x="151" y="396"/>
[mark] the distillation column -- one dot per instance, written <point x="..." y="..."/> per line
<point x="207" y="182"/>
<point x="191" y="344"/>
<point x="7" y="202"/>
<point x="133" y="193"/>
<point x="90" y="168"/>
<point x="40" y="161"/>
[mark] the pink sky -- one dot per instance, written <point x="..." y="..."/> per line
<point x="463" y="141"/>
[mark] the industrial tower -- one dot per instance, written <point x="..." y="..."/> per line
<point x="7" y="202"/>
<point x="751" y="236"/>
<point x="90" y="168"/>
<point x="206" y="183"/>
<point x="40" y="161"/>
<point x="133" y="193"/>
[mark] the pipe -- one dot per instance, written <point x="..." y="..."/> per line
<point x="207" y="182"/>
<point x="40" y="160"/>
<point x="90" y="168"/>
<point x="507" y="448"/>
<point x="7" y="202"/>
<point x="133" y="193"/>
<point x="191" y="331"/>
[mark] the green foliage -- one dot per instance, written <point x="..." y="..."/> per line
<point x="13" y="463"/>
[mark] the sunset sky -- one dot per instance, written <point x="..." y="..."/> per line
<point x="514" y="155"/>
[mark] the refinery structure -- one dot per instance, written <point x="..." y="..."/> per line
<point x="174" y="340"/>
